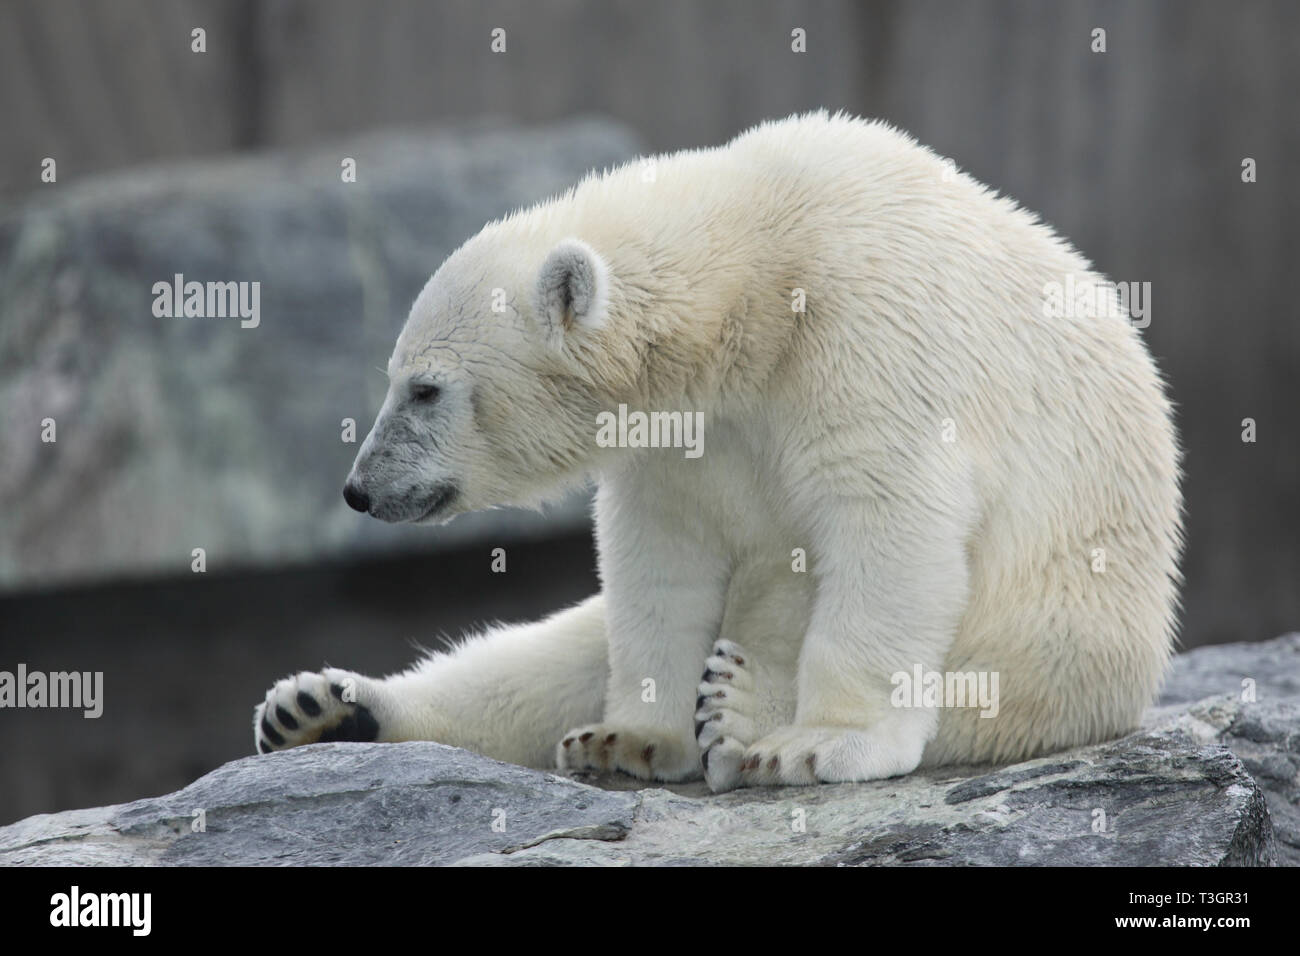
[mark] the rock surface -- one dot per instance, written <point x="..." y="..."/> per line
<point x="1266" y="739"/>
<point x="1179" y="791"/>
<point x="177" y="433"/>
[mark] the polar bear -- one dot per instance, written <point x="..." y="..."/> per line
<point x="913" y="463"/>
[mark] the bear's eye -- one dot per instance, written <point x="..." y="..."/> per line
<point x="425" y="393"/>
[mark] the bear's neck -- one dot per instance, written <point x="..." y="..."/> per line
<point x="704" y="316"/>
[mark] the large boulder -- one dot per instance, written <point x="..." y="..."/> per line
<point x="182" y="433"/>
<point x="1179" y="791"/>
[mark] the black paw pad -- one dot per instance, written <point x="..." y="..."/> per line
<point x="286" y="719"/>
<point x="270" y="733"/>
<point x="307" y="704"/>
<point x="359" y="726"/>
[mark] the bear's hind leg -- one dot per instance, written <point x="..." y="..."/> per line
<point x="508" y="693"/>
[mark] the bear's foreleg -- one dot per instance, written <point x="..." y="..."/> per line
<point x="665" y="584"/>
<point x="892" y="590"/>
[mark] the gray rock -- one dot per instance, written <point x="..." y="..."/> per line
<point x="1193" y="787"/>
<point x="178" y="433"/>
<point x="1273" y="666"/>
<point x="356" y="804"/>
<point x="1166" y="799"/>
<point x="1265" y="738"/>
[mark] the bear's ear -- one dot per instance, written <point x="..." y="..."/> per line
<point x="572" y="290"/>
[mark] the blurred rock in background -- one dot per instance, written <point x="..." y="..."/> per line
<point x="177" y="433"/>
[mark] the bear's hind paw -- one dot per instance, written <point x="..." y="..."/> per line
<point x="313" y="708"/>
<point x="723" y="730"/>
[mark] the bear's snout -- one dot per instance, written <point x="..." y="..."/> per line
<point x="357" y="499"/>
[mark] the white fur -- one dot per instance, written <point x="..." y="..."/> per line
<point x="824" y="432"/>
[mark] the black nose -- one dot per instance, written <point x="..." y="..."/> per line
<point x="357" y="499"/>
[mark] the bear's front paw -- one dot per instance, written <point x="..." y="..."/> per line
<point x="646" y="753"/>
<point x="803" y="755"/>
<point x="313" y="708"/>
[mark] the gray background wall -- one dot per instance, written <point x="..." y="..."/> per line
<point x="1135" y="154"/>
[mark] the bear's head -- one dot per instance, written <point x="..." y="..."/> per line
<point x="494" y="385"/>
